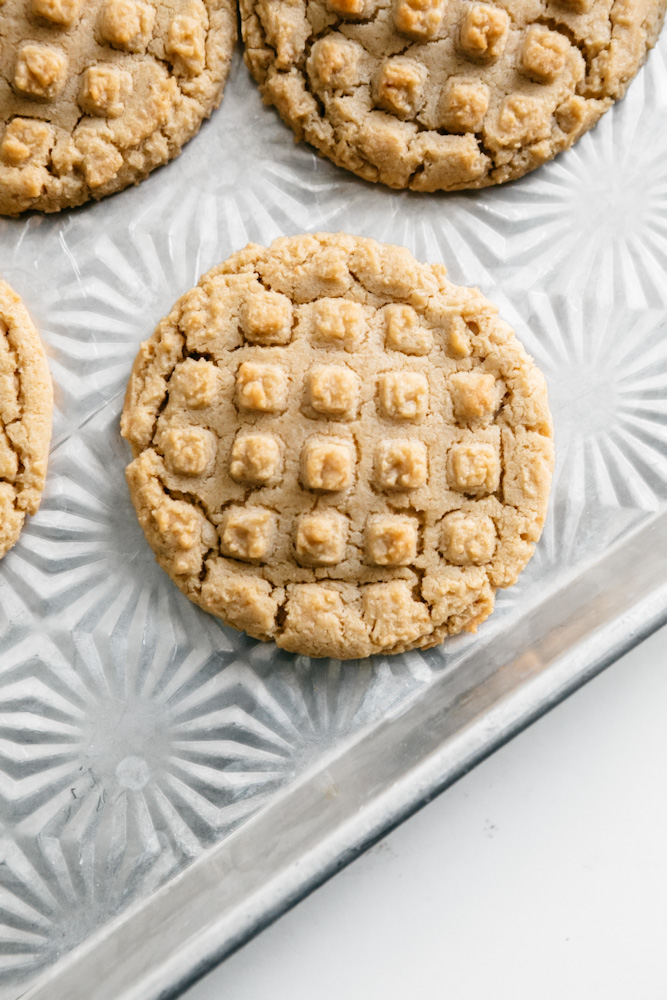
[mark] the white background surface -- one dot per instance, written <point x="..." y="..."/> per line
<point x="541" y="875"/>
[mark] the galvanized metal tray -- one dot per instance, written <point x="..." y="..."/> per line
<point x="168" y="786"/>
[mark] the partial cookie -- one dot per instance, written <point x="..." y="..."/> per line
<point x="336" y="448"/>
<point x="26" y="403"/>
<point x="94" y="95"/>
<point x="445" y="94"/>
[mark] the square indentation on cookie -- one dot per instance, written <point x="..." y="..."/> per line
<point x="419" y="19"/>
<point x="543" y="54"/>
<point x="179" y="525"/>
<point x="332" y="391"/>
<point x="475" y="396"/>
<point x="127" y="24"/>
<point x="62" y="13"/>
<point x="484" y="32"/>
<point x="473" y="467"/>
<point x="334" y="64"/>
<point x="266" y="318"/>
<point x="186" y="43"/>
<point x="41" y="71"/>
<point x="523" y="118"/>
<point x="404" y="331"/>
<point x="391" y="540"/>
<point x="188" y="451"/>
<point x="104" y="89"/>
<point x="26" y="141"/>
<point x="338" y="323"/>
<point x="261" y="387"/>
<point x="463" y="105"/>
<point x="247" y="533"/>
<point x="467" y="538"/>
<point x="320" y="538"/>
<point x="195" y="383"/>
<point x="403" y="395"/>
<point x="256" y="459"/>
<point x="327" y="464"/>
<point x="401" y="464"/>
<point x="399" y="86"/>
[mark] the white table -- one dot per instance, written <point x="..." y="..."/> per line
<point x="542" y="875"/>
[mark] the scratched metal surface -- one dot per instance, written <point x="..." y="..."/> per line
<point x="167" y="785"/>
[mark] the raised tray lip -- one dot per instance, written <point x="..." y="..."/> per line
<point x="147" y="953"/>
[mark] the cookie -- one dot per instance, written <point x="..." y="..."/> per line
<point x="445" y="94"/>
<point x="26" y="404"/>
<point x="94" y="94"/>
<point x="336" y="448"/>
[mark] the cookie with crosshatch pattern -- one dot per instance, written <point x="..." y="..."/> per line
<point x="445" y="94"/>
<point x="336" y="448"/>
<point x="94" y="94"/>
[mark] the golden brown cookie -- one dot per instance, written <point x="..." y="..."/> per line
<point x="94" y="94"/>
<point x="26" y="403"/>
<point x="445" y="94"/>
<point x="336" y="448"/>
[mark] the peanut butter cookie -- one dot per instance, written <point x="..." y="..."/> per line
<point x="26" y="403"/>
<point x="94" y="95"/>
<point x="336" y="448"/>
<point x="445" y="94"/>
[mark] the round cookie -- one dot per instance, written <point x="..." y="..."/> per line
<point x="336" y="448"/>
<point x="26" y="404"/>
<point x="94" y="94"/>
<point x="445" y="94"/>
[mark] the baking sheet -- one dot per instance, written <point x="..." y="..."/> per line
<point x="167" y="785"/>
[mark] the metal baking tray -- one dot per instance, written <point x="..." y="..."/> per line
<point x="169" y="786"/>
